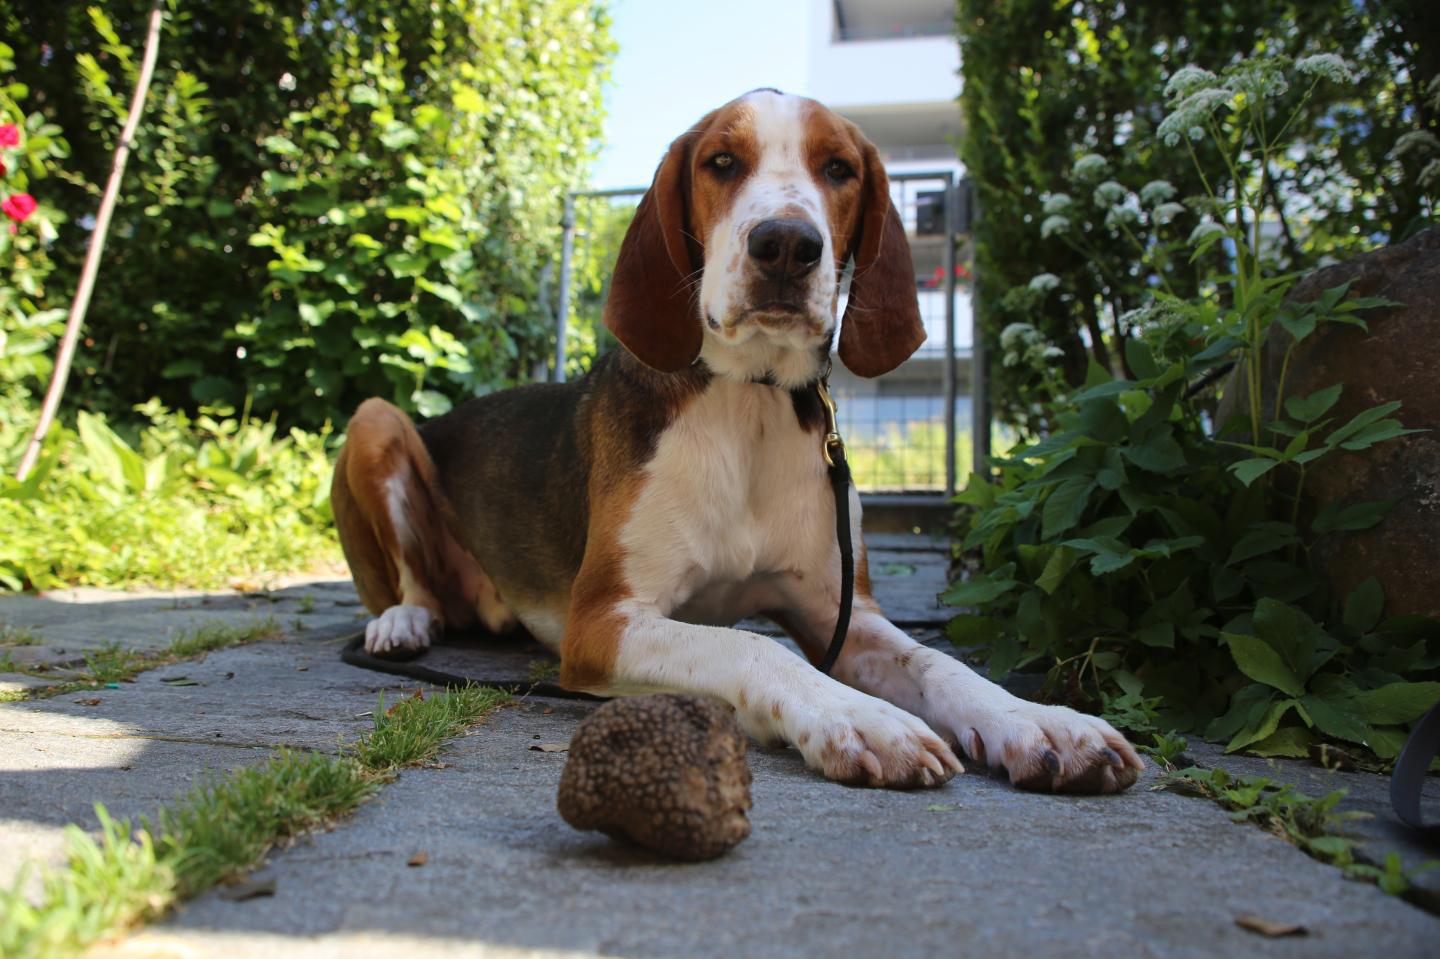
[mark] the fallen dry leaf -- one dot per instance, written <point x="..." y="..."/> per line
<point x="419" y="859"/>
<point x="1267" y="928"/>
<point x="550" y="747"/>
<point x="419" y="694"/>
<point x="88" y="702"/>
<point x="248" y="889"/>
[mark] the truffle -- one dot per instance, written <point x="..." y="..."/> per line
<point x="667" y="772"/>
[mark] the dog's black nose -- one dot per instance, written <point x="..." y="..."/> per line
<point x="786" y="248"/>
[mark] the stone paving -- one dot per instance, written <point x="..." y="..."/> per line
<point x="972" y="867"/>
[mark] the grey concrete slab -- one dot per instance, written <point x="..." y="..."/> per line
<point x="69" y="624"/>
<point x="908" y="585"/>
<point x="292" y="693"/>
<point x="142" y="745"/>
<point x="972" y="867"/>
<point x="19" y="682"/>
<point x="51" y="780"/>
<point x="907" y="543"/>
<point x="975" y="867"/>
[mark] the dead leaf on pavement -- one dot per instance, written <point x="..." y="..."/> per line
<point x="88" y="702"/>
<point x="550" y="747"/>
<point x="1265" y="927"/>
<point x="248" y="889"/>
<point x="419" y="859"/>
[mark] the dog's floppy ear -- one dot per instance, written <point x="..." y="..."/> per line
<point x="650" y="308"/>
<point x="881" y="326"/>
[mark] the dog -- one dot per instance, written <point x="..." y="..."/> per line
<point x="628" y="519"/>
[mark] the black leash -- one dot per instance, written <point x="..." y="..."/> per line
<point x="831" y="447"/>
<point x="1411" y="767"/>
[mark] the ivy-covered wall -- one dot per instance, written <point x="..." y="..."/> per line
<point x="326" y="200"/>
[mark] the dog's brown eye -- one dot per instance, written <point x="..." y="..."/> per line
<point x="838" y="170"/>
<point x="724" y="162"/>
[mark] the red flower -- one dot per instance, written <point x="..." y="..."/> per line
<point x="19" y="206"/>
<point x="9" y="135"/>
<point x="3" y="168"/>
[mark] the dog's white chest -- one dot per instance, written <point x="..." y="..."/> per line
<point x="735" y="496"/>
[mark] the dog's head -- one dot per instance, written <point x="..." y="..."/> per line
<point x="737" y="249"/>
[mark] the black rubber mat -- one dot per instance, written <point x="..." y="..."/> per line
<point x="516" y="663"/>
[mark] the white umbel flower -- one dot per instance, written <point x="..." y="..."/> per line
<point x="1156" y="191"/>
<point x="1327" y="66"/>
<point x="1123" y="215"/>
<point x="1044" y="282"/>
<point x="1014" y="334"/>
<point x="1187" y="80"/>
<point x="1053" y="225"/>
<point x="1090" y="166"/>
<point x="1166" y="213"/>
<point x="1057" y="203"/>
<point x="1109" y="194"/>
<point x="1191" y="114"/>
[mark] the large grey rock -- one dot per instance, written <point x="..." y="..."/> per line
<point x="1398" y="359"/>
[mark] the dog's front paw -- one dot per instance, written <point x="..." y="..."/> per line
<point x="401" y="629"/>
<point x="1053" y="749"/>
<point x="868" y="742"/>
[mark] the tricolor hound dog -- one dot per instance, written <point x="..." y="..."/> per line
<point x="628" y="519"/>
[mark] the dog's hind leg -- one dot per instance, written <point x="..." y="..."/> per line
<point x="391" y="517"/>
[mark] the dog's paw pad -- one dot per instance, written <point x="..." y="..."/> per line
<point x="875" y="744"/>
<point x="1054" y="749"/>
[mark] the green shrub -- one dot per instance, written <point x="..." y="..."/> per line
<point x="1156" y="571"/>
<point x="182" y="502"/>
<point x="325" y="201"/>
<point x="1048" y="83"/>
<point x="27" y="328"/>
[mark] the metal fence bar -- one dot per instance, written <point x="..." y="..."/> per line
<point x="562" y="312"/>
<point x="948" y="261"/>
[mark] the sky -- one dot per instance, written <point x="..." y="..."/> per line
<point x="678" y="60"/>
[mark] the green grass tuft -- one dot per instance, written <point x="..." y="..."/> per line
<point x="17" y="635"/>
<point x="113" y="663"/>
<point x="223" y="827"/>
<point x="227" y="824"/>
<point x="411" y="731"/>
<point x="208" y="637"/>
<point x="106" y="886"/>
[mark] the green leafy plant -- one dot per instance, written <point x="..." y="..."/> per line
<point x="324" y="202"/>
<point x="179" y="501"/>
<point x="1312" y="823"/>
<point x="1045" y="84"/>
<point x="29" y="149"/>
<point x="1154" y="570"/>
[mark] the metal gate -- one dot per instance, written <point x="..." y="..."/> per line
<point x="902" y="430"/>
